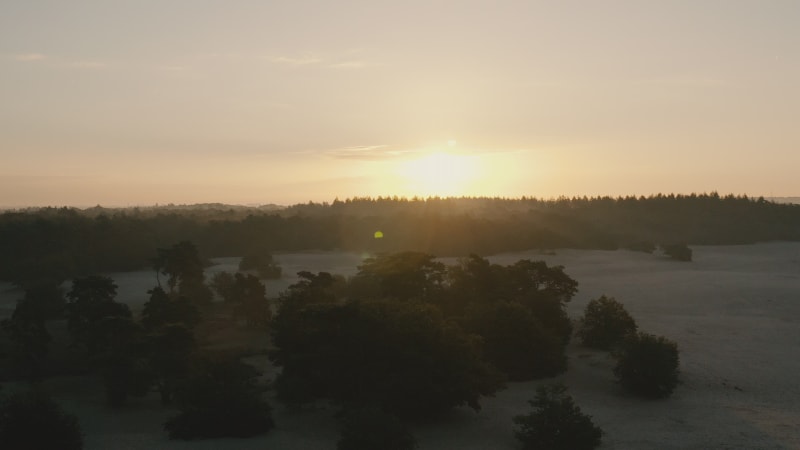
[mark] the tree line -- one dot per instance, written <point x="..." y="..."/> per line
<point x="55" y="244"/>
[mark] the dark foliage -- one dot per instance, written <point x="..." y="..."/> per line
<point x="648" y="366"/>
<point x="371" y="428"/>
<point x="680" y="252"/>
<point x="516" y="342"/>
<point x="401" y="356"/>
<point x="34" y="421"/>
<point x="605" y="324"/>
<point x="183" y="267"/>
<point x="170" y="352"/>
<point x="642" y="246"/>
<point x="29" y="340"/>
<point x="220" y="399"/>
<point x="90" y="300"/>
<point x="401" y="276"/>
<point x="556" y="423"/>
<point x="247" y="294"/>
<point x="53" y="245"/>
<point x="163" y="309"/>
<point x="48" y="299"/>
<point x="119" y="352"/>
<point x="262" y="263"/>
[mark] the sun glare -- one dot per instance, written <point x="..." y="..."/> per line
<point x="442" y="174"/>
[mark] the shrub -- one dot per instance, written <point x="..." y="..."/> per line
<point x="648" y="366"/>
<point x="556" y="423"/>
<point x="642" y="246"/>
<point x="33" y="420"/>
<point x="220" y="399"/>
<point x="402" y="356"/>
<point x="680" y="252"/>
<point x="262" y="263"/>
<point x="605" y="324"/>
<point x="516" y="342"/>
<point x="370" y="428"/>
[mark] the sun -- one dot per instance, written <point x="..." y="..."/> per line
<point x="440" y="174"/>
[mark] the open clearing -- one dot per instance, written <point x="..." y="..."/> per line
<point x="734" y="312"/>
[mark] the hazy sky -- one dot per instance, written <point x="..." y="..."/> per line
<point x="186" y="101"/>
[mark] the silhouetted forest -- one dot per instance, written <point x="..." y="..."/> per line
<point x="65" y="242"/>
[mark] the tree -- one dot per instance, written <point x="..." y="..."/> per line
<point x="48" y="298"/>
<point x="648" y="365"/>
<point x="29" y="338"/>
<point x="556" y="423"/>
<point x="90" y="300"/>
<point x="402" y="276"/>
<point x="163" y="309"/>
<point x="516" y="342"/>
<point x="169" y="357"/>
<point x="119" y="352"/>
<point x="247" y="294"/>
<point x="371" y="428"/>
<point x="220" y="399"/>
<point x="33" y="421"/>
<point x="402" y="357"/>
<point x="680" y="252"/>
<point x="183" y="267"/>
<point x="605" y="324"/>
<point x="262" y="263"/>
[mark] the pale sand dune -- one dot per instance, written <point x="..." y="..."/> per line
<point x="734" y="312"/>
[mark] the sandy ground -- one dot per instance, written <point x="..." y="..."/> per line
<point x="734" y="312"/>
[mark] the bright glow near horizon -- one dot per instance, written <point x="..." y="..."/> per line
<point x="440" y="174"/>
<point x="137" y="103"/>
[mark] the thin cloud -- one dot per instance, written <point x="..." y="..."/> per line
<point x="369" y="152"/>
<point x="350" y="65"/>
<point x="292" y="61"/>
<point x="29" y="57"/>
<point x="59" y="62"/>
<point x="88" y="65"/>
<point x="702" y="82"/>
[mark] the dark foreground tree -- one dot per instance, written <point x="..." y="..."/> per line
<point x="34" y="421"/>
<point x="220" y="399"/>
<point x="371" y="428"/>
<point x="91" y="299"/>
<point x="648" y="365"/>
<point x="403" y="357"/>
<point x="556" y="423"/>
<point x="120" y="355"/>
<point x="605" y="324"/>
<point x="29" y="340"/>
<point x="516" y="342"/>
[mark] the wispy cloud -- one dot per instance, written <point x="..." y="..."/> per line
<point x="349" y="65"/>
<point x="296" y="61"/>
<point x="29" y="57"/>
<point x="369" y="152"/>
<point x="689" y="81"/>
<point x="87" y="65"/>
<point x="52" y="61"/>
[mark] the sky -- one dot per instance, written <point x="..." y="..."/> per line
<point x="123" y="103"/>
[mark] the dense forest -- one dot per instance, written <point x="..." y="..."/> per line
<point x="61" y="243"/>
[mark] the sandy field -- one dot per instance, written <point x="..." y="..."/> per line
<point x="734" y="312"/>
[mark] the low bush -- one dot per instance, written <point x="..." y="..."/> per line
<point x="221" y="399"/>
<point x="605" y="324"/>
<point x="648" y="366"/>
<point x="680" y="252"/>
<point x="33" y="420"/>
<point x="556" y="423"/>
